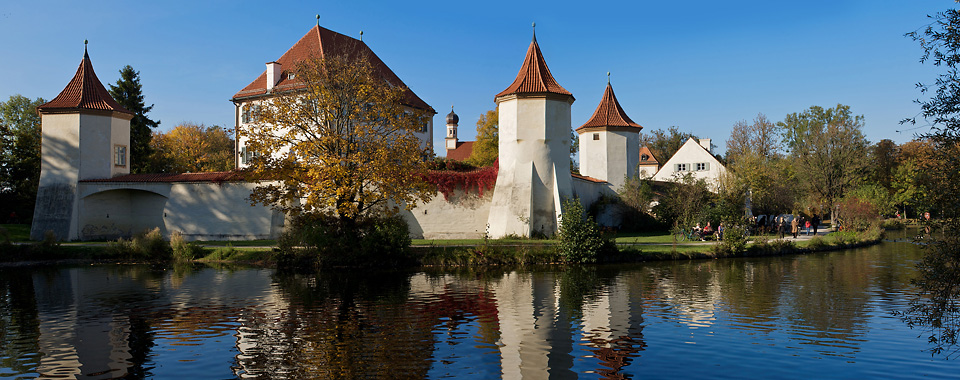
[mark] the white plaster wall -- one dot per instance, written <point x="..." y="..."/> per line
<point x="463" y="216"/>
<point x="120" y="213"/>
<point x="96" y="147"/>
<point x="593" y="155"/>
<point x="60" y="148"/>
<point x="120" y="135"/>
<point x="534" y="165"/>
<point x="612" y="158"/>
<point x="56" y="208"/>
<point x="210" y="211"/>
<point x="647" y="171"/>
<point x="200" y="210"/>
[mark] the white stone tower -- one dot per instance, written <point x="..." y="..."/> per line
<point x="609" y="142"/>
<point x="452" y="121"/>
<point x="534" y="176"/>
<point x="86" y="135"/>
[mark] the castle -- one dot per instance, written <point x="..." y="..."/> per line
<point x="86" y="191"/>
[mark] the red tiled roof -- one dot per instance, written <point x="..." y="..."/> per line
<point x="318" y="43"/>
<point x="231" y="176"/>
<point x="534" y="75"/>
<point x="609" y="114"/>
<point x="462" y="152"/>
<point x="585" y="178"/>
<point x="650" y="161"/>
<point x="84" y="92"/>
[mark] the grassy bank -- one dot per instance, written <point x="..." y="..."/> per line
<point x="633" y="247"/>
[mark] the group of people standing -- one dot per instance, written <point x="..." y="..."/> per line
<point x="793" y="224"/>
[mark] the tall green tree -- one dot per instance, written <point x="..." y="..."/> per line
<point x="129" y="93"/>
<point x="935" y="307"/>
<point x="757" y="166"/>
<point x="828" y="150"/>
<point x="663" y="144"/>
<point x="761" y="138"/>
<point x="19" y="157"/>
<point x="487" y="147"/>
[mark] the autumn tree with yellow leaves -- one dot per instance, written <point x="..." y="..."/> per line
<point x="191" y="148"/>
<point x="341" y="146"/>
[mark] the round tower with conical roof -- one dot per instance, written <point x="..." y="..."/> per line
<point x="85" y="135"/>
<point x="609" y="142"/>
<point x="534" y="148"/>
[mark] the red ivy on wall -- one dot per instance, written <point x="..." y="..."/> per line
<point x="448" y="181"/>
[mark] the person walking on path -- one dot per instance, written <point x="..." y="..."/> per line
<point x="806" y="228"/>
<point x="781" y="226"/>
<point x="795" y="227"/>
<point x="816" y="223"/>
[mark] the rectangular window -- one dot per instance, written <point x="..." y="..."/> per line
<point x="119" y="155"/>
<point x="701" y="166"/>
<point x="681" y="168"/>
<point x="246" y="155"/>
<point x="596" y="136"/>
<point x="250" y="113"/>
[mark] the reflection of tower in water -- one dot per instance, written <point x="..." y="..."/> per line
<point x="539" y="323"/>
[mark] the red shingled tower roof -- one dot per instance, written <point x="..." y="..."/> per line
<point x="318" y="43"/>
<point x="84" y="92"/>
<point x="609" y="115"/>
<point x="534" y="75"/>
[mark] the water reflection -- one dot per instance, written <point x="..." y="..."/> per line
<point x="773" y="317"/>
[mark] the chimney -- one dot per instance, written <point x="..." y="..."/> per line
<point x="705" y="143"/>
<point x="273" y="74"/>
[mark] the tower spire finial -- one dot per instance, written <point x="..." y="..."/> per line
<point x="318" y="19"/>
<point x="534" y="25"/>
<point x="85" y="48"/>
<point x="361" y="36"/>
<point x="608" y="77"/>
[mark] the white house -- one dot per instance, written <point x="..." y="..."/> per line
<point x="280" y="78"/>
<point x="695" y="159"/>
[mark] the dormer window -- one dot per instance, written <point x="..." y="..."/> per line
<point x="291" y="75"/>
<point x="644" y="157"/>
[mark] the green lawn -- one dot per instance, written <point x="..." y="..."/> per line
<point x="475" y="242"/>
<point x="17" y="232"/>
<point x="239" y="243"/>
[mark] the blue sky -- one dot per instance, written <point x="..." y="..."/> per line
<point x="699" y="65"/>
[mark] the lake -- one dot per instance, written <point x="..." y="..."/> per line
<point x="825" y="315"/>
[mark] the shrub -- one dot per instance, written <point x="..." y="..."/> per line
<point x="893" y="224"/>
<point x="319" y="240"/>
<point x="858" y="214"/>
<point x="764" y="247"/>
<point x="843" y="238"/>
<point x="580" y="238"/>
<point x="182" y="250"/>
<point x="147" y="245"/>
<point x="816" y="243"/>
<point x="734" y="242"/>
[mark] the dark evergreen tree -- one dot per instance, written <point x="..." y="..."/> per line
<point x="129" y="93"/>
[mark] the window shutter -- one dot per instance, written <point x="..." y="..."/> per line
<point x="706" y="166"/>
